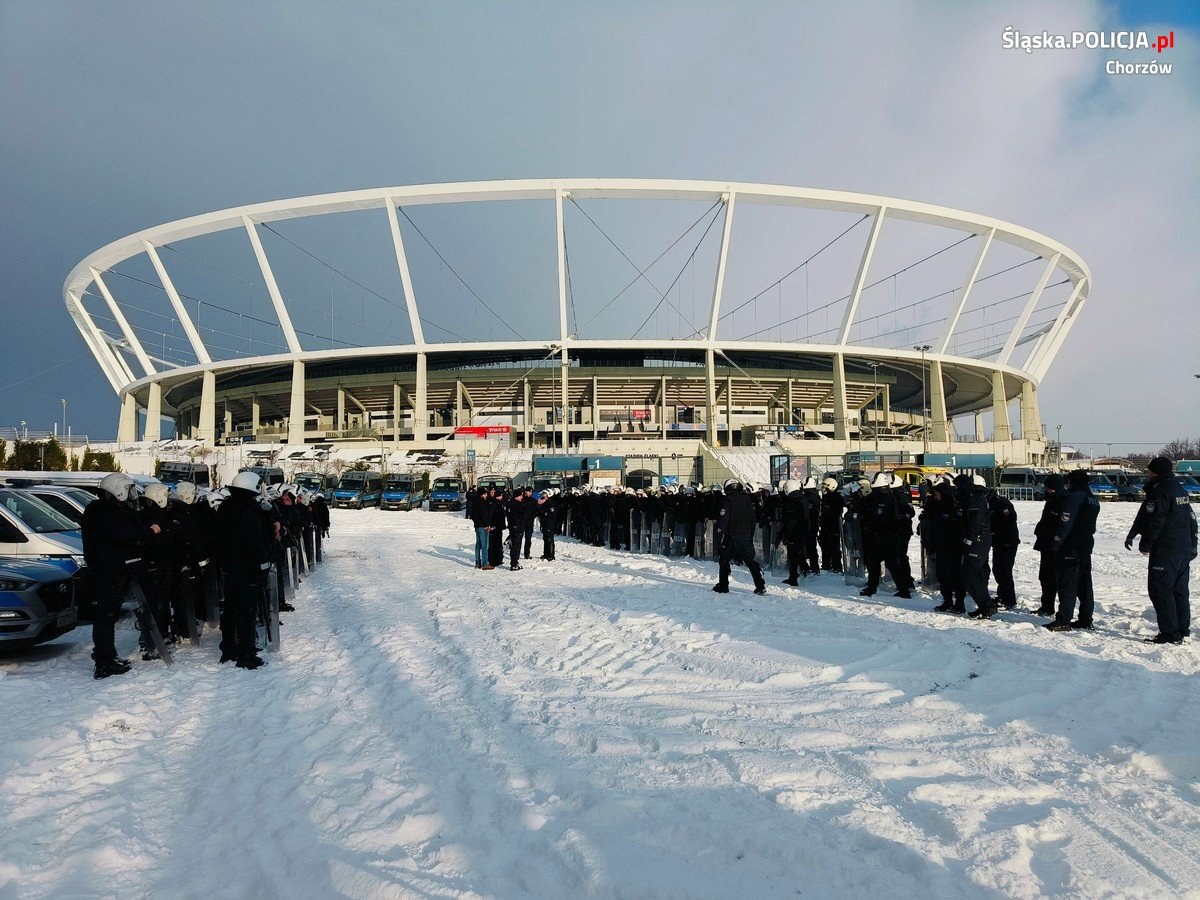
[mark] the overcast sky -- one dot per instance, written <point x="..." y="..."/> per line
<point x="118" y="116"/>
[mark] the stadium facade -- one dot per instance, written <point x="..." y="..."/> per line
<point x="555" y="393"/>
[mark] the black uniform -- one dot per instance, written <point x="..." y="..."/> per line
<point x="1073" y="542"/>
<point x="113" y="546"/>
<point x="243" y="537"/>
<point x="736" y="524"/>
<point x="499" y="523"/>
<point x="942" y="532"/>
<point x="877" y="521"/>
<point x="519" y="513"/>
<point x="159" y="576"/>
<point x="1043" y="541"/>
<point x="1169" y="536"/>
<point x="812" y="560"/>
<point x="977" y="541"/>
<point x="1005" y="539"/>
<point x="897" y="560"/>
<point x="832" y="505"/>
<point x="529" y="520"/>
<point x="546" y="510"/>
<point x="795" y="526"/>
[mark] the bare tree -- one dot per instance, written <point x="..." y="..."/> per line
<point x="1181" y="448"/>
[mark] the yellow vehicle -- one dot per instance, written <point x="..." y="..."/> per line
<point x="914" y="475"/>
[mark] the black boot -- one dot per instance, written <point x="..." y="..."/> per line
<point x="250" y="662"/>
<point x="109" y="667"/>
<point x="721" y="590"/>
<point x="946" y="606"/>
<point x="761" y="589"/>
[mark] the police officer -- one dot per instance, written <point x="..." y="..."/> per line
<point x="736" y="525"/>
<point x="898" y="563"/>
<point x="976" y="520"/>
<point x="530" y="516"/>
<point x="1043" y="541"/>
<point x="876" y="509"/>
<point x="546" y="510"/>
<point x="832" y="505"/>
<point x="517" y="513"/>
<point x="942" y="531"/>
<point x="1073" y="542"/>
<point x="1169" y="540"/>
<point x="113" y="543"/>
<point x="243" y="535"/>
<point x="795" y="528"/>
<point x="1006" y="537"/>
<point x="159" y="575"/>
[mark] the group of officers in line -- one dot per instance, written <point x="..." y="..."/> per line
<point x="193" y="555"/>
<point x="968" y="534"/>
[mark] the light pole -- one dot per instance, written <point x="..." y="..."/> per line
<point x="24" y="431"/>
<point x="1058" y="440"/>
<point x="66" y="432"/>
<point x="924" y="348"/>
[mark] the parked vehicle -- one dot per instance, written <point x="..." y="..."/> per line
<point x="37" y="603"/>
<point x="447" y="493"/>
<point x="402" y="492"/>
<point x="31" y="530"/>
<point x="1190" y="484"/>
<point x="312" y="481"/>
<point x="1129" y="485"/>
<point x="1102" y="486"/>
<point x="358" y="489"/>
<point x="846" y="479"/>
<point x="67" y="501"/>
<point x="546" y="482"/>
<point x="269" y="474"/>
<point x="501" y="483"/>
<point x="171" y="473"/>
<point x="88" y="481"/>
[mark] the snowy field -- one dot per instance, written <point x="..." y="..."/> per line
<point x="607" y="726"/>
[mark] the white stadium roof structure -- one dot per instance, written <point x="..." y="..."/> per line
<point x="571" y="308"/>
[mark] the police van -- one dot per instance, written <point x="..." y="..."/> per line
<point x="269" y="474"/>
<point x="358" y="489"/>
<point x="402" y="492"/>
<point x="171" y="473"/>
<point x="447" y="493"/>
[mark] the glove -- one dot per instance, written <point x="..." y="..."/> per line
<point x="1129" y="543"/>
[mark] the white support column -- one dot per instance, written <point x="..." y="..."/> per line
<point x="860" y="279"/>
<point x="979" y="425"/>
<point x="841" y="430"/>
<point x="127" y="431"/>
<point x="296" y="410"/>
<point x="939" y="423"/>
<point x="595" y="407"/>
<point x="1011" y="344"/>
<point x="458" y="409"/>
<point x="206" y="428"/>
<point x="153" y="431"/>
<point x="421" y="413"/>
<point x="729" y="411"/>
<point x="255" y="417"/>
<point x="130" y="338"/>
<point x="887" y="405"/>
<point x="1052" y="340"/>
<point x="662" y="408"/>
<point x="410" y="300"/>
<point x="105" y="355"/>
<point x="719" y="284"/>
<point x="1031" y="419"/>
<point x="561" y="240"/>
<point x="341" y="409"/>
<point x="396" y="411"/>
<point x="1001" y="430"/>
<point x="791" y="402"/>
<point x="710" y="414"/>
<point x="566" y="417"/>
<point x="526" y="412"/>
<point x="965" y="293"/>
<point x="285" y="321"/>
<point x="185" y="320"/>
<point x="227" y="424"/>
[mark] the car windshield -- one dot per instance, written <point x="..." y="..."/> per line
<point x="355" y="480"/>
<point x="1096" y="478"/>
<point x="400" y="484"/>
<point x="312" y="482"/>
<point x="1136" y="480"/>
<point x="1186" y="479"/>
<point x="38" y="516"/>
<point x="447" y="484"/>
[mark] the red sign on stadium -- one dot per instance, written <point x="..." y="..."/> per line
<point x="482" y="431"/>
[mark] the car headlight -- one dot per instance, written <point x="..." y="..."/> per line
<point x="11" y="614"/>
<point x="15" y="584"/>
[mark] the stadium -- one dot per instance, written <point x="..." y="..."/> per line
<point x="780" y="315"/>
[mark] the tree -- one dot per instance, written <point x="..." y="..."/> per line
<point x="54" y="456"/>
<point x="99" y="462"/>
<point x="1182" y="448"/>
<point x="26" y="456"/>
<point x="3" y="454"/>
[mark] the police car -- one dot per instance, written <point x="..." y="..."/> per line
<point x="37" y="603"/>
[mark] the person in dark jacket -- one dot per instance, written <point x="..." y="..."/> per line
<point x="1169" y="540"/>
<point x="795" y="528"/>
<point x="1073" y="543"/>
<point x="830" y="532"/>
<point x="941" y="529"/>
<point x="1043" y="541"/>
<point x="518" y="513"/>
<point x="876" y="509"/>
<point x="977" y="540"/>
<point x="497" y="501"/>
<point x="244" y="536"/>
<point x="114" y="542"/>
<point x="1006" y="537"/>
<point x="546" y="511"/>
<point x="481" y="518"/>
<point x="159" y="575"/>
<point x="897" y="559"/>
<point x="736" y="525"/>
<point x="530" y="518"/>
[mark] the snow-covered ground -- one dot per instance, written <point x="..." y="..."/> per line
<point x="607" y="726"/>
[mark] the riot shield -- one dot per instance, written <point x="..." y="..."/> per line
<point x="187" y="605"/>
<point x="679" y="537"/>
<point x="318" y="556"/>
<point x="145" y="621"/>
<point x="929" y="577"/>
<point x="668" y="533"/>
<point x="704" y="540"/>
<point x="853" y="563"/>
<point x="212" y="614"/>
<point x="310" y="549"/>
<point x="272" y="617"/>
